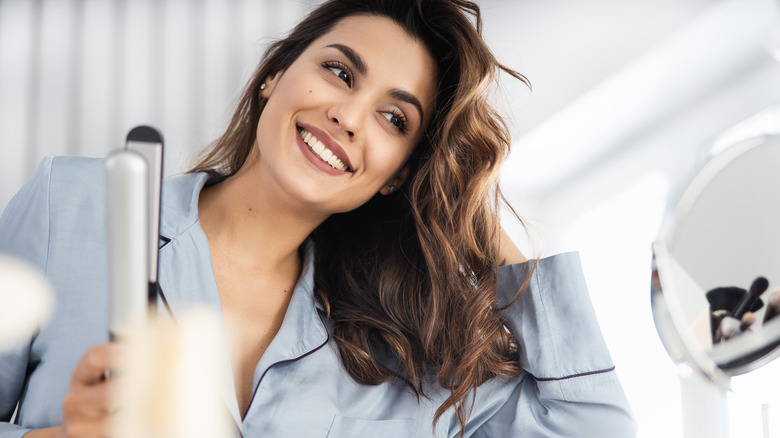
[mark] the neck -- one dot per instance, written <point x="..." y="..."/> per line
<point x="246" y="221"/>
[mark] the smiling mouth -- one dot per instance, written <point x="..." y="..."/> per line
<point x="321" y="151"/>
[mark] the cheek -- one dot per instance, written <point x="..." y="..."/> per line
<point x="286" y="95"/>
<point x="278" y="112"/>
<point x="387" y="159"/>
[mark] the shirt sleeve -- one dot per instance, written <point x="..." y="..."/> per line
<point x="24" y="234"/>
<point x="569" y="387"/>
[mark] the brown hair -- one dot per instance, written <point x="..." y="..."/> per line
<point x="416" y="276"/>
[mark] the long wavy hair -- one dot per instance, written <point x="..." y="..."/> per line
<point x="409" y="280"/>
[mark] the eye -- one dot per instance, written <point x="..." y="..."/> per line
<point x="397" y="119"/>
<point x="341" y="71"/>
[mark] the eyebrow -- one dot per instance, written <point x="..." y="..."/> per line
<point x="360" y="66"/>
<point x="408" y="98"/>
<point x="353" y="57"/>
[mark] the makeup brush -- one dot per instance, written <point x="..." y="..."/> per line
<point x="730" y="326"/>
<point x="722" y="300"/>
<point x="759" y="286"/>
<point x="772" y="306"/>
<point x="747" y="320"/>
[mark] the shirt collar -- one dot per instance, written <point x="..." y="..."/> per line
<point x="186" y="279"/>
<point x="180" y="203"/>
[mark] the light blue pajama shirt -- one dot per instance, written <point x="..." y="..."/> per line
<point x="57" y="222"/>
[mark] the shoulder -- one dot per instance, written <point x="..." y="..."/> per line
<point x="75" y="172"/>
<point x="63" y="193"/>
<point x="60" y="172"/>
<point x="56" y="182"/>
<point x="73" y="162"/>
<point x="62" y="177"/>
<point x="76" y="187"/>
<point x="66" y="168"/>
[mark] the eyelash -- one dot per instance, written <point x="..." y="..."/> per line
<point x="341" y="66"/>
<point x="402" y="123"/>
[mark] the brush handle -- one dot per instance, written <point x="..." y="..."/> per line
<point x="758" y="287"/>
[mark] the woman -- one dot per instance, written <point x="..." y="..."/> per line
<point x="344" y="224"/>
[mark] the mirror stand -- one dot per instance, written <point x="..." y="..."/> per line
<point x="715" y="288"/>
<point x="704" y="407"/>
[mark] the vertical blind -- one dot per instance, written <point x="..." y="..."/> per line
<point x="76" y="75"/>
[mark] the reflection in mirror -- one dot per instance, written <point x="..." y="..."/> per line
<point x="717" y="264"/>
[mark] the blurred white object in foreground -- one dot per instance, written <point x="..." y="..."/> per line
<point x="169" y="380"/>
<point x="27" y="301"/>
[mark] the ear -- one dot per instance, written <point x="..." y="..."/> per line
<point x="270" y="84"/>
<point x="395" y="181"/>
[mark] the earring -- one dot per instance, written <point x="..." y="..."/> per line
<point x="262" y="86"/>
<point x="390" y="189"/>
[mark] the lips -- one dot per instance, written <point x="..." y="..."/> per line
<point x="324" y="148"/>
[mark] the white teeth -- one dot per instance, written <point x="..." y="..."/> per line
<point x="324" y="153"/>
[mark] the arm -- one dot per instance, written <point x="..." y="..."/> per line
<point x="569" y="387"/>
<point x="24" y="232"/>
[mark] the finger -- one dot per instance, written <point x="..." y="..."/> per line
<point x="88" y="403"/>
<point x="88" y="429"/>
<point x="92" y="367"/>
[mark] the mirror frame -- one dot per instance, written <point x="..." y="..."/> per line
<point x="668" y="313"/>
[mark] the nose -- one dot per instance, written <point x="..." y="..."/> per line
<point x="335" y="120"/>
<point x="348" y="116"/>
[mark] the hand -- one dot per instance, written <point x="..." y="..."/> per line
<point x="87" y="408"/>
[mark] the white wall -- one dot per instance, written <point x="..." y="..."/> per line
<point x="596" y="175"/>
<point x="77" y="75"/>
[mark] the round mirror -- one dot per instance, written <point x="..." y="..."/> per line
<point x="716" y="273"/>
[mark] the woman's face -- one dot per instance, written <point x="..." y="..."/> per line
<point x="343" y="119"/>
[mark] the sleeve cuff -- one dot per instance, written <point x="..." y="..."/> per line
<point x="12" y="431"/>
<point x="554" y="322"/>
